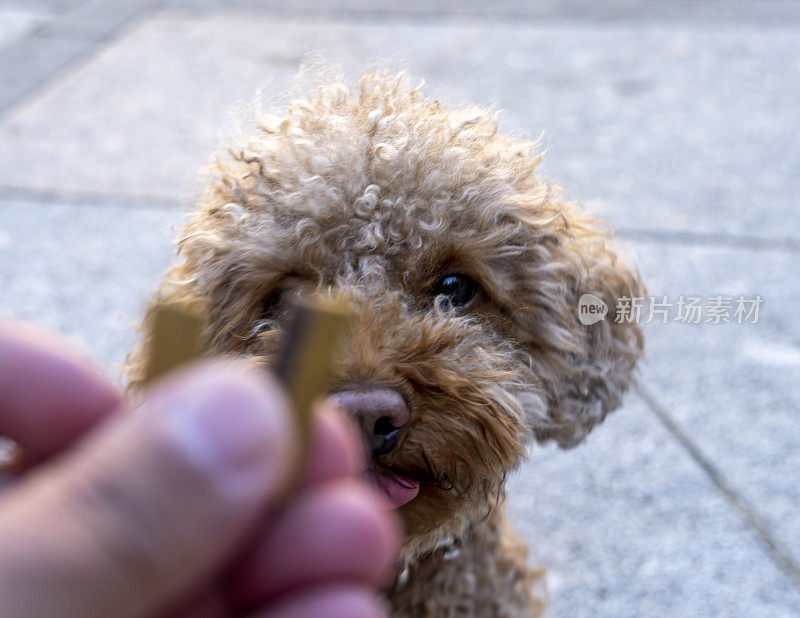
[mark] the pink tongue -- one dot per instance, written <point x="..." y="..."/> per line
<point x="398" y="490"/>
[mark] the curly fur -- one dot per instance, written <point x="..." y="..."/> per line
<point x="376" y="193"/>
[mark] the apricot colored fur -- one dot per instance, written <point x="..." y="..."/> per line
<point x="377" y="192"/>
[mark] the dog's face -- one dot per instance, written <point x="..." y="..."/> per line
<point x="463" y="270"/>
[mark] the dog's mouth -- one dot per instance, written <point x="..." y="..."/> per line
<point x="396" y="488"/>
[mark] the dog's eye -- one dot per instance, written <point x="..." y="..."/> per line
<point x="459" y="290"/>
<point x="272" y="303"/>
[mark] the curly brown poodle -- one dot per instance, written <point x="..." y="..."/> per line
<point x="464" y="268"/>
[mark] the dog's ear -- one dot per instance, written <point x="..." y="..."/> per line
<point x="584" y="368"/>
<point x="224" y="279"/>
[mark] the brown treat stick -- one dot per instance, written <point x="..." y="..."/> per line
<point x="177" y="338"/>
<point x="302" y="364"/>
<point x="305" y="358"/>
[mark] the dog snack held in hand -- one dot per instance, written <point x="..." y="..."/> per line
<point x="302" y="365"/>
<point x="306" y="356"/>
<point x="177" y="338"/>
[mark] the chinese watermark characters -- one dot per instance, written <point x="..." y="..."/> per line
<point x="684" y="309"/>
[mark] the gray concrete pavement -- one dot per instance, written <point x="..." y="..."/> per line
<point x="677" y="121"/>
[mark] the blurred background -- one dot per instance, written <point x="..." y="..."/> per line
<point x="676" y="120"/>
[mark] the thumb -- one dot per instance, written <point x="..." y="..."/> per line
<point x="149" y="506"/>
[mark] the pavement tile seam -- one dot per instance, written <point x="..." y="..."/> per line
<point x="54" y="7"/>
<point x="776" y="550"/>
<point x="649" y="236"/>
<point x="79" y="199"/>
<point x="39" y="58"/>
<point x="702" y="239"/>
<point x="705" y="14"/>
<point x="162" y="94"/>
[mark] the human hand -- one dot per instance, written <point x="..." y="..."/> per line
<point x="170" y="510"/>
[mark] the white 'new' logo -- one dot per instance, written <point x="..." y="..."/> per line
<point x="591" y="309"/>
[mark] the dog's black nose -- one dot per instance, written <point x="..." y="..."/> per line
<point x="381" y="414"/>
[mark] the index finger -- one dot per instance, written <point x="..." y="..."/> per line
<point x="49" y="395"/>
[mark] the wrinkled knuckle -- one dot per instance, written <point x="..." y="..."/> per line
<point x="127" y="535"/>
